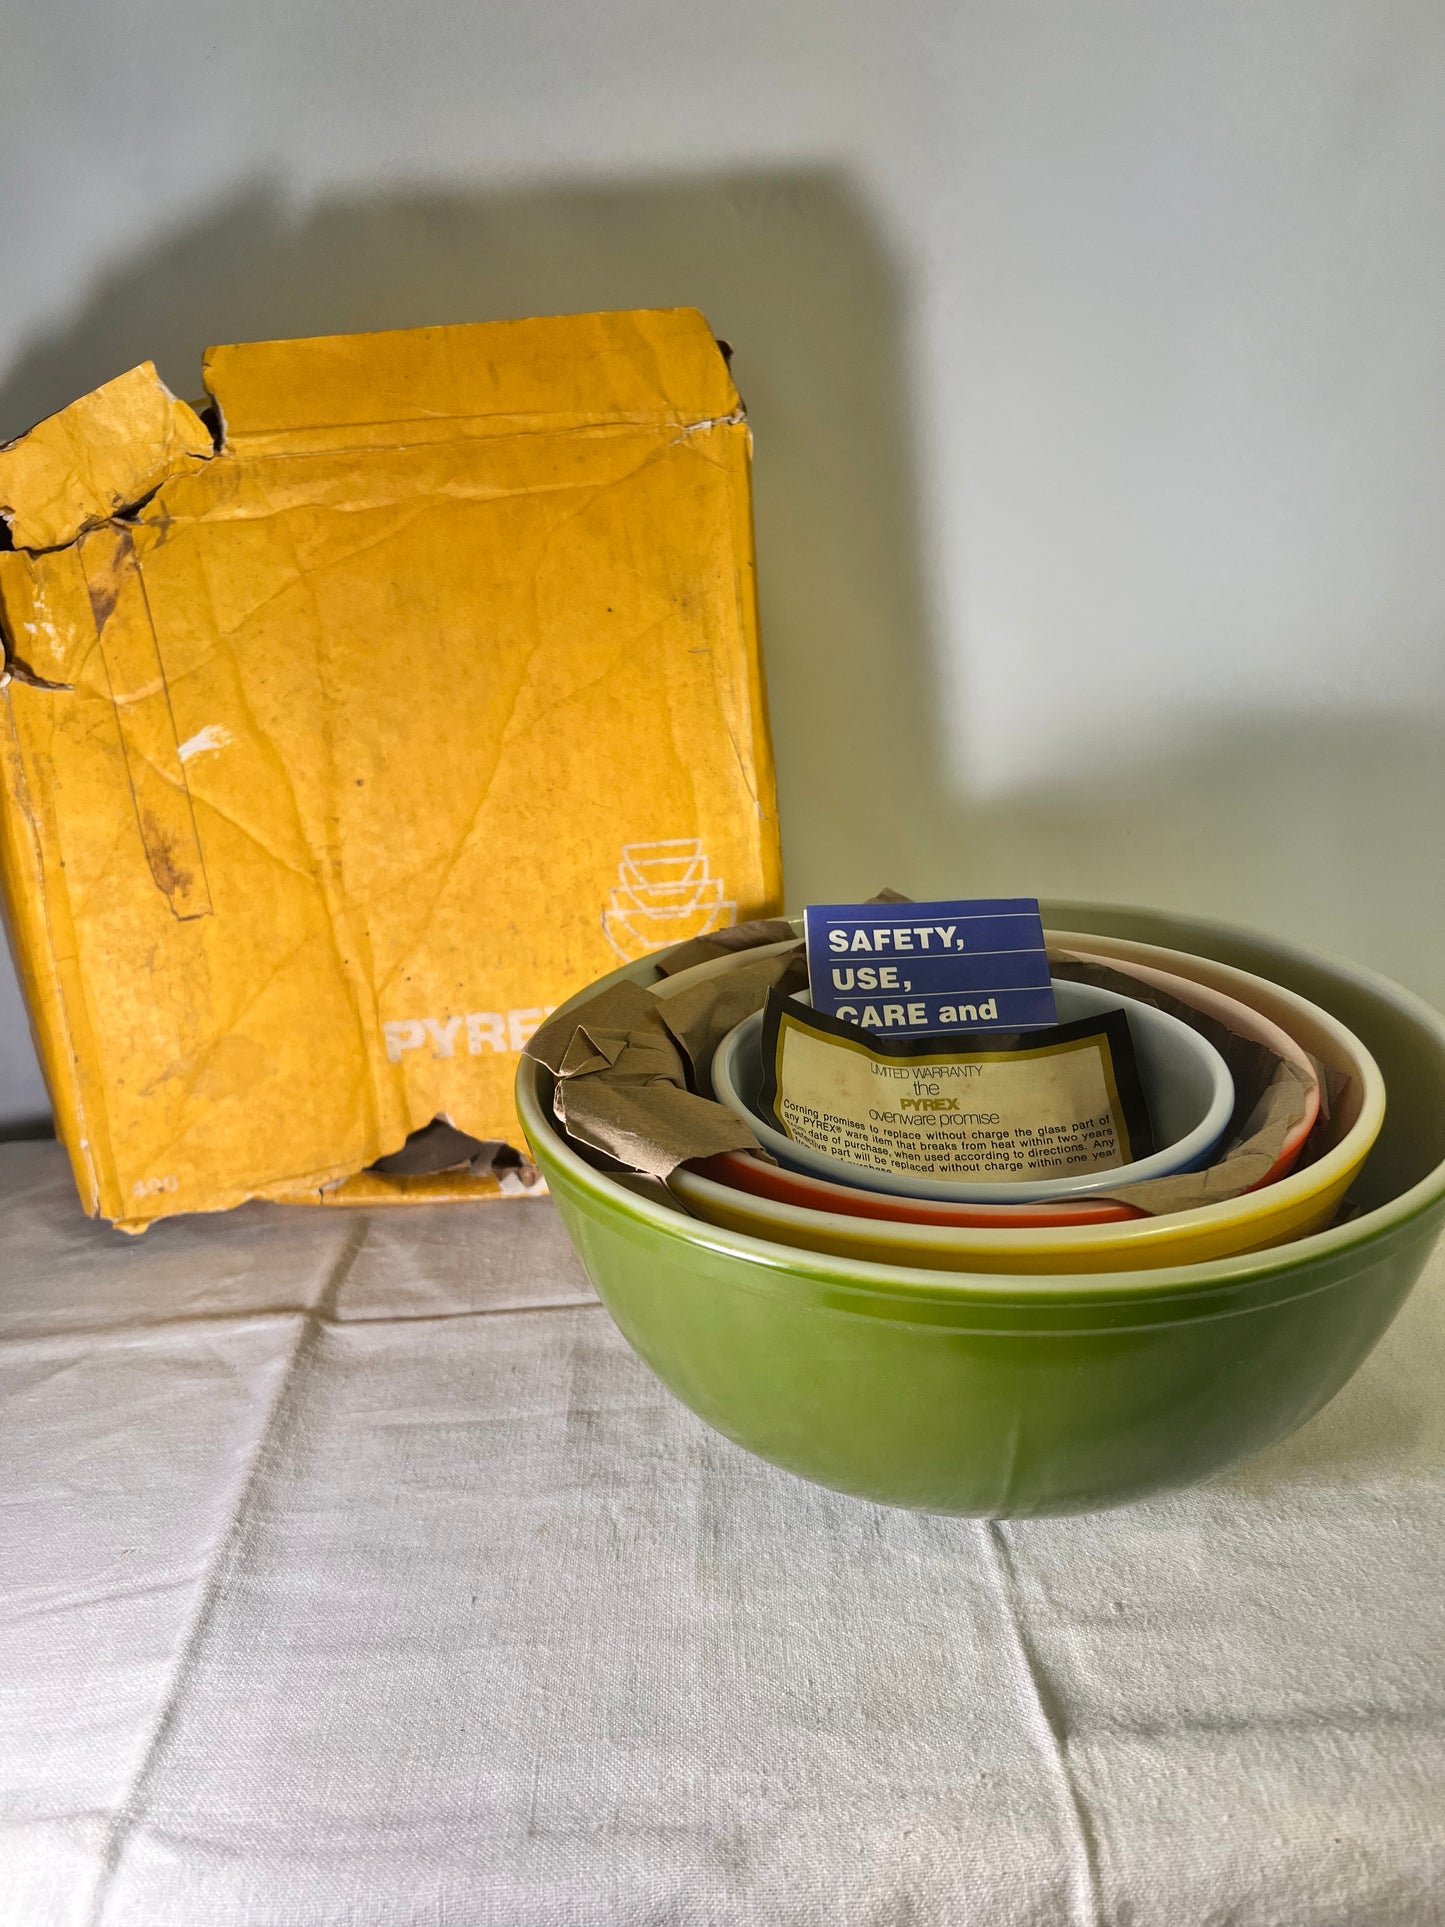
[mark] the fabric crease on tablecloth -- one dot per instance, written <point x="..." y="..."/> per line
<point x="356" y="1574"/>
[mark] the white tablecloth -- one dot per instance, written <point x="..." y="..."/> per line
<point x="355" y="1572"/>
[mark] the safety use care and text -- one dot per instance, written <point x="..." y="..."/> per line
<point x="931" y="968"/>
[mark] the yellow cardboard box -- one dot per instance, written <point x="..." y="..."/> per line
<point x="347" y="731"/>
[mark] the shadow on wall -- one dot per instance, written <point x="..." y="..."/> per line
<point x="1322" y="828"/>
<point x="787" y="267"/>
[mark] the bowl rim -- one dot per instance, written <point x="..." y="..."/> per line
<point x="1256" y="1208"/>
<point x="903" y="1281"/>
<point x="897" y="1280"/>
<point x="1216" y="1003"/>
<point x="1037" y="1242"/>
<point x="1002" y="1216"/>
<point x="1339" y="1164"/>
<point x="1276" y="1036"/>
<point x="1200" y="1142"/>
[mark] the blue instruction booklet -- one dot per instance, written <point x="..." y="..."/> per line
<point x="974" y="964"/>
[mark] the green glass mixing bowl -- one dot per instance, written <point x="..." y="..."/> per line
<point x="993" y="1395"/>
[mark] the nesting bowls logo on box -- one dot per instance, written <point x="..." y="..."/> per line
<point x="971" y="964"/>
<point x="665" y="894"/>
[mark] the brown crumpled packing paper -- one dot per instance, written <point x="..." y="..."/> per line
<point x="631" y="1066"/>
<point x="725" y="943"/>
<point x="631" y="1069"/>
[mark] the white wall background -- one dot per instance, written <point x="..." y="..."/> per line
<point x="1095" y="353"/>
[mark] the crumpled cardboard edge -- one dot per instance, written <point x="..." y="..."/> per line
<point x="97" y="459"/>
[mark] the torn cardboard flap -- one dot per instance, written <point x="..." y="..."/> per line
<point x="97" y="458"/>
<point x="431" y="694"/>
<point x="658" y="370"/>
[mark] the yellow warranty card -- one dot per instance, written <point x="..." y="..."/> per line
<point x="998" y="1108"/>
<point x="337" y="752"/>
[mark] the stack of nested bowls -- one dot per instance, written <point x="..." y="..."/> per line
<point x="1000" y="1354"/>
